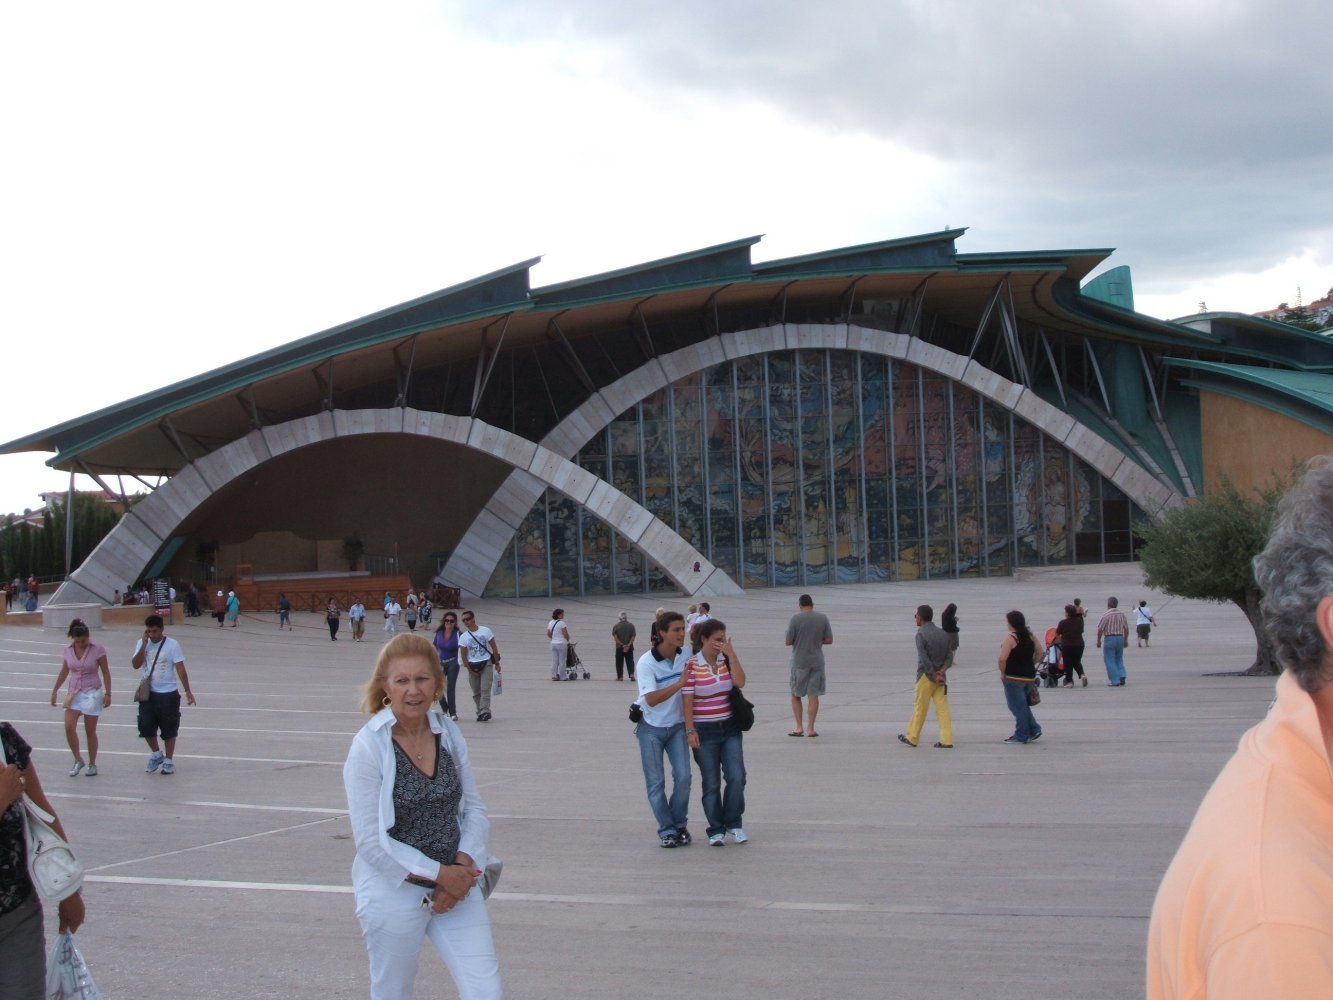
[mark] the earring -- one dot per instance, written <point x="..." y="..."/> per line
<point x="386" y="701"/>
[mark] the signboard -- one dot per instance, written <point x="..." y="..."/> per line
<point x="162" y="597"/>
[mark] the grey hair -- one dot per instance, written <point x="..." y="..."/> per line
<point x="1295" y="572"/>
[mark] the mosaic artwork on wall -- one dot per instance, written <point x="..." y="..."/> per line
<point x="822" y="466"/>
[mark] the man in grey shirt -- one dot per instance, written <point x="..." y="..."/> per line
<point x="933" y="660"/>
<point x="808" y="633"/>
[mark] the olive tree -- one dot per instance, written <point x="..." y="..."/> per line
<point x="1205" y="550"/>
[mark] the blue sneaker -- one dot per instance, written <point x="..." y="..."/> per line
<point x="155" y="760"/>
<point x="168" y="767"/>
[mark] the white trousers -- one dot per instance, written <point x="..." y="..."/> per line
<point x="558" y="652"/>
<point x="396" y="925"/>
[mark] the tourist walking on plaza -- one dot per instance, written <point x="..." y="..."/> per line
<point x="284" y="612"/>
<point x="158" y="658"/>
<point x="1019" y="653"/>
<point x="713" y="733"/>
<point x="934" y="657"/>
<point x="1113" y="630"/>
<point x="1069" y="633"/>
<point x="333" y="618"/>
<point x="949" y="626"/>
<point x="392" y="610"/>
<point x="420" y="830"/>
<point x="808" y="633"/>
<point x="479" y="653"/>
<point x="1143" y="623"/>
<point x="22" y="932"/>
<point x="84" y="663"/>
<point x="660" y="731"/>
<point x="356" y="614"/>
<point x="558" y="632"/>
<point x="219" y="608"/>
<point x="1243" y="910"/>
<point x="446" y="647"/>
<point x="624" y="633"/>
<point x="233" y="607"/>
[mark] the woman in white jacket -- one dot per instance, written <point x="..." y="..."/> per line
<point x="420" y="830"/>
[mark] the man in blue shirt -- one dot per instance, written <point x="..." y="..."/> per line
<point x="661" y="730"/>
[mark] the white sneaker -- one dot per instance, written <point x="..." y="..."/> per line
<point x="92" y="771"/>
<point x="155" y="760"/>
<point x="738" y="835"/>
<point x="717" y="840"/>
<point x="168" y="767"/>
<point x="75" y="768"/>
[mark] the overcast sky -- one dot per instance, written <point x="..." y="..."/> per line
<point x="189" y="184"/>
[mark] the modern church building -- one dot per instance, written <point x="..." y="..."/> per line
<point x="707" y="423"/>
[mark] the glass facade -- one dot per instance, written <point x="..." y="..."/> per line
<point x="822" y="466"/>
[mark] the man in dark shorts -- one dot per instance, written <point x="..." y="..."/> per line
<point x="808" y="633"/>
<point x="158" y="658"/>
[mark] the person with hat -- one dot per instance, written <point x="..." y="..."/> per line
<point x="623" y="632"/>
<point x="220" y="608"/>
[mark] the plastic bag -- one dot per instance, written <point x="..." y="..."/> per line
<point x="497" y="684"/>
<point x="67" y="975"/>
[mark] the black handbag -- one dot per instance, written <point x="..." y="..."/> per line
<point x="741" y="709"/>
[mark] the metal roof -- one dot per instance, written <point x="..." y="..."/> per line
<point x="144" y="434"/>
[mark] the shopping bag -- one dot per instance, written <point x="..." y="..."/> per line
<point x="67" y="975"/>
<point x="497" y="683"/>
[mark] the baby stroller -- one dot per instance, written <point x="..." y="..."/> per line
<point x="573" y="664"/>
<point x="1052" y="666"/>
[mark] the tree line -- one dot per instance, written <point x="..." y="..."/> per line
<point x="27" y="549"/>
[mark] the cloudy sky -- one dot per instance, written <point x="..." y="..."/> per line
<point x="188" y="184"/>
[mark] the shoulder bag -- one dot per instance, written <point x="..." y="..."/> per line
<point x="742" y="710"/>
<point x="55" y="872"/>
<point x="142" y="691"/>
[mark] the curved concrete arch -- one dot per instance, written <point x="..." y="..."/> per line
<point x="519" y="491"/>
<point x="129" y="547"/>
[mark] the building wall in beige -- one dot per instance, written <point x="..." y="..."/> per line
<point x="1250" y="444"/>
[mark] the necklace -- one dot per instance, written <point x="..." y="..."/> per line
<point x="416" y="739"/>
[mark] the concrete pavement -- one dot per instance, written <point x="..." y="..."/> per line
<point x="873" y="870"/>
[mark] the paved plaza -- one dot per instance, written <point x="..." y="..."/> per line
<point x="873" y="870"/>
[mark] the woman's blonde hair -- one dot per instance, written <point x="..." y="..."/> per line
<point x="401" y="647"/>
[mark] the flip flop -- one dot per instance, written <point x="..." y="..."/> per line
<point x="811" y="736"/>
<point x="796" y="734"/>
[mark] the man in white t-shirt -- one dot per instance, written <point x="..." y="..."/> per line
<point x="661" y="675"/>
<point x="158" y="658"/>
<point x="357" y="615"/>
<point x="392" y="612"/>
<point x="480" y="655"/>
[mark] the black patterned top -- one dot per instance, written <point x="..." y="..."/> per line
<point x="15" y="886"/>
<point x="425" y="809"/>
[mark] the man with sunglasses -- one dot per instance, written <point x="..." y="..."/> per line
<point x="480" y="655"/>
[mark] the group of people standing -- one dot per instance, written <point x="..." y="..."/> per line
<point x="684" y="706"/>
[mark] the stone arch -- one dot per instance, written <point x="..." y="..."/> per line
<point x="140" y="534"/>
<point x="515" y="496"/>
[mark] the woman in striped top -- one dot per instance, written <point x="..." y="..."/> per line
<point x="713" y="734"/>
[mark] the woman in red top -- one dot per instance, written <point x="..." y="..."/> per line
<point x="713" y="734"/>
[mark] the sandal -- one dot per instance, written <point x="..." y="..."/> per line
<point x="796" y="734"/>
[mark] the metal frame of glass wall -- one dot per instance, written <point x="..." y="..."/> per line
<point x="821" y="466"/>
